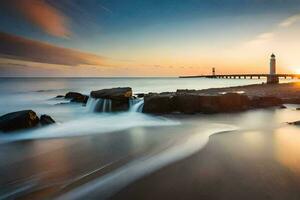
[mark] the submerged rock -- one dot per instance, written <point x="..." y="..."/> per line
<point x="76" y="97"/>
<point x="18" y="120"/>
<point x="46" y="120"/>
<point x="119" y="97"/>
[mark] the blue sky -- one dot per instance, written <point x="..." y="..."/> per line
<point x="153" y="32"/>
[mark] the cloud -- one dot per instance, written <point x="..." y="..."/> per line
<point x="20" y="48"/>
<point x="43" y="15"/>
<point x="290" y="21"/>
<point x="261" y="39"/>
<point x="267" y="37"/>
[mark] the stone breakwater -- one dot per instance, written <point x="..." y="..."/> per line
<point x="218" y="100"/>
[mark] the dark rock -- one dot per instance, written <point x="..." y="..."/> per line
<point x="229" y="102"/>
<point x="159" y="103"/>
<point x="60" y="96"/>
<point x="297" y="123"/>
<point x="77" y="97"/>
<point x="140" y="95"/>
<point x="291" y="100"/>
<point x="185" y="91"/>
<point x="193" y="103"/>
<point x="188" y="104"/>
<point x="18" y="120"/>
<point x="114" y="93"/>
<point x="46" y="120"/>
<point x="264" y="102"/>
<point x="297" y="108"/>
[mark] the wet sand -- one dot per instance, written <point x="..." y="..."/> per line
<point x="237" y="165"/>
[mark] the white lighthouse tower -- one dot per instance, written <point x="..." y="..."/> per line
<point x="272" y="78"/>
<point x="273" y="65"/>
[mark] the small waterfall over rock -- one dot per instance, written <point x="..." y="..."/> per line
<point x="99" y="105"/>
<point x="105" y="105"/>
<point x="136" y="105"/>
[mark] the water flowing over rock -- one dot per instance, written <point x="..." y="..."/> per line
<point x="18" y="120"/>
<point x="136" y="105"/>
<point x="112" y="100"/>
<point x="103" y="105"/>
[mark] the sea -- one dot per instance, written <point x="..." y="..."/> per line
<point x="93" y="155"/>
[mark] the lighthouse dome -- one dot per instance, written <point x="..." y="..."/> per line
<point x="272" y="56"/>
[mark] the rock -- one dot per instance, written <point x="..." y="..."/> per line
<point x="77" y="97"/>
<point x="297" y="108"/>
<point x="291" y="100"/>
<point x="297" y="123"/>
<point x="119" y="97"/>
<point x="140" y="95"/>
<point x="60" y="96"/>
<point x="264" y="102"/>
<point x="229" y="102"/>
<point x="187" y="103"/>
<point x="114" y="93"/>
<point x="18" y="120"/>
<point x="46" y="120"/>
<point x="190" y="103"/>
<point x="159" y="103"/>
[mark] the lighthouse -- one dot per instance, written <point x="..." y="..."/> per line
<point x="272" y="78"/>
<point x="273" y="65"/>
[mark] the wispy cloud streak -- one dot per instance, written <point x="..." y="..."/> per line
<point x="43" y="15"/>
<point x="290" y="21"/>
<point x="30" y="50"/>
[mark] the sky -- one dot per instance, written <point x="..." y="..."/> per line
<point x="147" y="37"/>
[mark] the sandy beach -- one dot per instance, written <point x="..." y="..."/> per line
<point x="238" y="165"/>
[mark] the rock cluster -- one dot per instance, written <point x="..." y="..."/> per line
<point x="23" y="120"/>
<point x="190" y="102"/>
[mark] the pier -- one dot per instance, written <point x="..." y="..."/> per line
<point x="245" y="76"/>
<point x="272" y="77"/>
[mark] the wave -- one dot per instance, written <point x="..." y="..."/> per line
<point x="90" y="124"/>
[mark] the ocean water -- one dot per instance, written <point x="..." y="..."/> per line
<point x="89" y="155"/>
<point x="39" y="93"/>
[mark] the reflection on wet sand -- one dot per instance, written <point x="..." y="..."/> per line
<point x="287" y="148"/>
